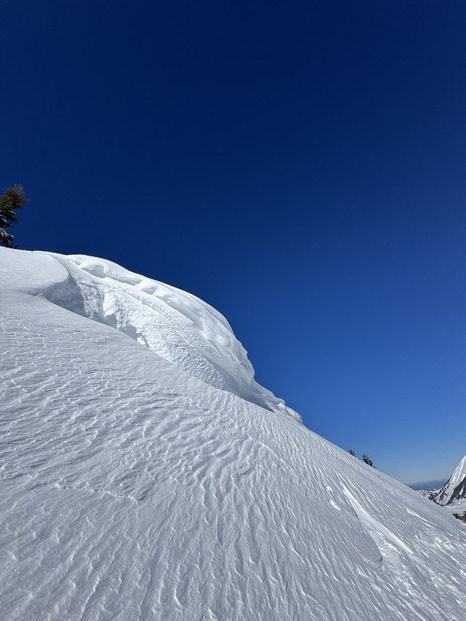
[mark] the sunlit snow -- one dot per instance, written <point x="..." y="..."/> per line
<point x="453" y="494"/>
<point x="146" y="475"/>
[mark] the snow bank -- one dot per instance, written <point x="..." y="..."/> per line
<point x="145" y="476"/>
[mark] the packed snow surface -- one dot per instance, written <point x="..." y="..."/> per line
<point x="145" y="475"/>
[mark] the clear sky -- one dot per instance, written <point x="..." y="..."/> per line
<point x="298" y="165"/>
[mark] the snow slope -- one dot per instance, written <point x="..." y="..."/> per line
<point x="145" y="475"/>
<point x="454" y="490"/>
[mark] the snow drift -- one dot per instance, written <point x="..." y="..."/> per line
<point x="145" y="474"/>
<point x="176" y="325"/>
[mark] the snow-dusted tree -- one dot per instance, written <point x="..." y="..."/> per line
<point x="11" y="200"/>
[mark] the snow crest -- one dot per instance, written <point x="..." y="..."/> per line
<point x="176" y="325"/>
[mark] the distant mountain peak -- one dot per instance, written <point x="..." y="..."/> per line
<point x="454" y="489"/>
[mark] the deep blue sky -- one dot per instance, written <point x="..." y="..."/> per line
<point x="298" y="165"/>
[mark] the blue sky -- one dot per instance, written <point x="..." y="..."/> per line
<point x="300" y="166"/>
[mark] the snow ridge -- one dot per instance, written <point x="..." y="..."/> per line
<point x="174" y="324"/>
<point x="134" y="488"/>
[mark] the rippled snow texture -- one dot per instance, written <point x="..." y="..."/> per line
<point x="144" y="474"/>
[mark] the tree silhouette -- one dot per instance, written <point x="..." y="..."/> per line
<point x="367" y="460"/>
<point x="11" y="200"/>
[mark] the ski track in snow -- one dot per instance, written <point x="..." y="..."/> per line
<point x="132" y="490"/>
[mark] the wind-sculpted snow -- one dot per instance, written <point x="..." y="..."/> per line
<point x="176" y="325"/>
<point x="133" y="490"/>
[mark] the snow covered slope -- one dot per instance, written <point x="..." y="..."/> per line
<point x="144" y="475"/>
<point x="454" y="489"/>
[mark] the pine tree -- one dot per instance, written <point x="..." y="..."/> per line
<point x="11" y="200"/>
<point x="367" y="460"/>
